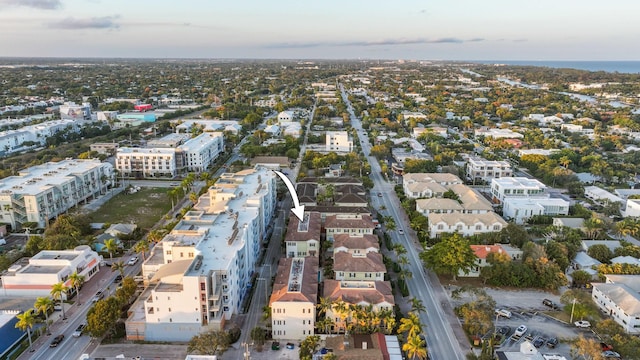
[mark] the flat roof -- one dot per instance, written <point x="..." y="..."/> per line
<point x="42" y="269"/>
<point x="36" y="179"/>
<point x="200" y="141"/>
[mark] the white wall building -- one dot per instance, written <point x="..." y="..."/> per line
<point x="522" y="209"/>
<point x="479" y="169"/>
<point x="73" y="111"/>
<point x="294" y="298"/>
<point x="185" y="125"/>
<point x="147" y="163"/>
<point x="619" y="297"/>
<point x="600" y="195"/>
<point x="515" y="187"/>
<point x="286" y="116"/>
<point x="47" y="268"/>
<point x="633" y="208"/>
<point x="465" y="224"/>
<point x="198" y="274"/>
<point x="202" y="151"/>
<point x="338" y="141"/>
<point x="40" y="193"/>
<point x="498" y="133"/>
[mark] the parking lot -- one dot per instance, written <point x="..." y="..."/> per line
<point x="527" y="309"/>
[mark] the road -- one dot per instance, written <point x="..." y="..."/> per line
<point x="443" y="343"/>
<point x="70" y="347"/>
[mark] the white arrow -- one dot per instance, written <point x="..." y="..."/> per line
<point x="298" y="210"/>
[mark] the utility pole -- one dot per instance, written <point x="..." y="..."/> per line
<point x="572" y="307"/>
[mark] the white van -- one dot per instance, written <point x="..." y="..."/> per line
<point x="504" y="313"/>
<point x="3" y="241"/>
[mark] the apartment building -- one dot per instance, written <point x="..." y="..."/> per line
<point x="30" y="136"/>
<point x="522" y="209"/>
<point x="468" y="201"/>
<point x="303" y="237"/>
<point x="354" y="224"/>
<point x="427" y="185"/>
<point x="377" y="294"/>
<point x="619" y="297"/>
<point x="515" y="187"/>
<point x="294" y="298"/>
<point x="166" y="161"/>
<point x="358" y="266"/>
<point x="198" y="274"/>
<point x="338" y="141"/>
<point x="185" y="125"/>
<point x="355" y="245"/>
<point x="37" y="276"/>
<point x="465" y="224"/>
<point x="40" y="193"/>
<point x="482" y="170"/>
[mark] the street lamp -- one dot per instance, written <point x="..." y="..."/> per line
<point x="572" y="307"/>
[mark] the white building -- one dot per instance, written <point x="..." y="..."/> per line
<point x="202" y="151"/>
<point x="40" y="193"/>
<point x="498" y="133"/>
<point x="33" y="135"/>
<point x="73" y="111"/>
<point x="294" y="298"/>
<point x="338" y="141"/>
<point x="198" y="275"/>
<point x="515" y="187"/>
<point x="147" y="163"/>
<point x="185" y="125"/>
<point x="47" y="268"/>
<point x="479" y="169"/>
<point x="600" y="195"/>
<point x="619" y="297"/>
<point x="522" y="209"/>
<point x="286" y="116"/>
<point x="633" y="208"/>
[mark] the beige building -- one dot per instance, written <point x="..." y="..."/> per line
<point x="358" y="266"/>
<point x="338" y="141"/>
<point x="378" y="294"/>
<point x="294" y="297"/>
<point x="356" y="244"/>
<point x="465" y="224"/>
<point x="303" y="237"/>
<point x="427" y="185"/>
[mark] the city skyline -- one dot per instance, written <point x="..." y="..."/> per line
<point x="466" y="30"/>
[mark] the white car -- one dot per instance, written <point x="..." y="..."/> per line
<point x="521" y="330"/>
<point x="78" y="331"/>
<point x="132" y="261"/>
<point x="582" y="324"/>
<point x="503" y="313"/>
<point x="401" y="232"/>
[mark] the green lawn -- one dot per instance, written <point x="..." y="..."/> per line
<point x="143" y="208"/>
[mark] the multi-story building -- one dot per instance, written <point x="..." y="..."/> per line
<point x="338" y="141"/>
<point x="294" y="298"/>
<point x="198" y="275"/>
<point x="479" y="169"/>
<point x="465" y="224"/>
<point x="104" y="148"/>
<point x="353" y="224"/>
<point x="377" y="294"/>
<point x="40" y="193"/>
<point x="522" y="209"/>
<point x="185" y="125"/>
<point x="355" y="245"/>
<point x="48" y="267"/>
<point x="427" y="185"/>
<point x="147" y="163"/>
<point x="201" y="151"/>
<point x="468" y="202"/>
<point x="73" y="111"/>
<point x="303" y="237"/>
<point x="515" y="187"/>
<point x="358" y="266"/>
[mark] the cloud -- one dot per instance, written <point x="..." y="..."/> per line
<point x="103" y="22"/>
<point x="389" y="42"/>
<point x="38" y="4"/>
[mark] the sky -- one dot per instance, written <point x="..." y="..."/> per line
<point x="323" y="29"/>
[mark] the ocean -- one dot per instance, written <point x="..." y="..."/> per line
<point x="629" y="67"/>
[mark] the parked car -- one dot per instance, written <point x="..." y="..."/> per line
<point x="582" y="324"/>
<point x="118" y="279"/>
<point x="56" y="340"/>
<point x="275" y="345"/>
<point x="291" y="346"/>
<point x="132" y="261"/>
<point x="379" y="194"/>
<point x="605" y="346"/>
<point x="521" y="330"/>
<point x="552" y="342"/>
<point x="78" y="331"/>
<point x="549" y="303"/>
<point x="97" y="297"/>
<point x="503" y="313"/>
<point x="401" y="232"/>
<point x="538" y="341"/>
<point x="504" y="330"/>
<point x="609" y="354"/>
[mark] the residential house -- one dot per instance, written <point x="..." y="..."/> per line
<point x="482" y="170"/>
<point x="482" y="253"/>
<point x="355" y="244"/>
<point x="358" y="266"/>
<point x="465" y="224"/>
<point x="418" y="185"/>
<point x="600" y="195"/>
<point x="303" y="237"/>
<point x="515" y="187"/>
<point x="377" y="294"/>
<point x="294" y="298"/>
<point x="520" y="210"/>
<point x="348" y="224"/>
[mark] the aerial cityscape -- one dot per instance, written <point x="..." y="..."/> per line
<point x="320" y="181"/>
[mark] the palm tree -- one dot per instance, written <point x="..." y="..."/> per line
<point x="76" y="282"/>
<point x="342" y="310"/>
<point x="411" y="325"/>
<point x="388" y="320"/>
<point x="403" y="260"/>
<point x="43" y="305"/>
<point x="323" y="305"/>
<point x="26" y="320"/>
<point x="141" y="247"/>
<point x="111" y="246"/>
<point x="399" y="249"/>
<point x="417" y="306"/>
<point x="118" y="266"/>
<point x="415" y="348"/>
<point x="57" y="290"/>
<point x="156" y="235"/>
